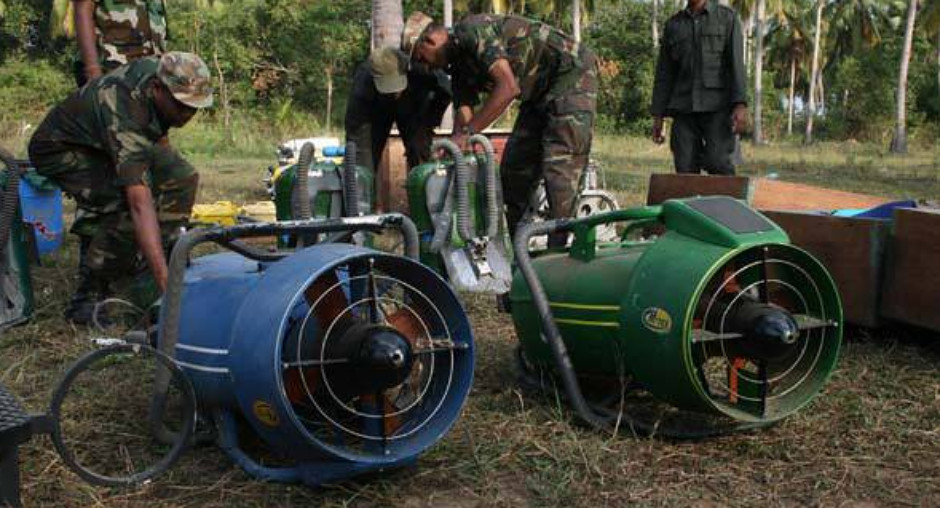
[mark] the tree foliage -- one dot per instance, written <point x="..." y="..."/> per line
<point x="279" y="58"/>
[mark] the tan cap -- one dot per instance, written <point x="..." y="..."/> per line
<point x="187" y="78"/>
<point x="415" y="26"/>
<point x="388" y="67"/>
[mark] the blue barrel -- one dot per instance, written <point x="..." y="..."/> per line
<point x="41" y="205"/>
<point x="342" y="358"/>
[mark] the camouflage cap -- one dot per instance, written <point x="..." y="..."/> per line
<point x="187" y="78"/>
<point x="389" y="66"/>
<point x="415" y="26"/>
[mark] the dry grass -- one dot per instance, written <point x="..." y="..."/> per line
<point x="873" y="436"/>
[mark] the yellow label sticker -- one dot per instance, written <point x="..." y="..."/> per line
<point x="265" y="413"/>
<point x="657" y="320"/>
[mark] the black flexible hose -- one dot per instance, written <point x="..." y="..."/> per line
<point x="350" y="181"/>
<point x="301" y="182"/>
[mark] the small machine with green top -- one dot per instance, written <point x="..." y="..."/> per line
<point x="457" y="206"/>
<point x="718" y="315"/>
<point x="333" y="190"/>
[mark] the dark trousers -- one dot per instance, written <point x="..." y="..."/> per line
<point x="703" y="141"/>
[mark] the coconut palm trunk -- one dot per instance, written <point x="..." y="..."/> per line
<point x="387" y="23"/>
<point x="576" y="20"/>
<point x="899" y="143"/>
<point x="792" y="94"/>
<point x="655" y="23"/>
<point x="811" y="110"/>
<point x="759" y="72"/>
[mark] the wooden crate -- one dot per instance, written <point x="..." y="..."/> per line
<point x="665" y="186"/>
<point x="851" y="249"/>
<point x="912" y="278"/>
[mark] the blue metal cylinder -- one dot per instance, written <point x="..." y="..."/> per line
<point x="342" y="358"/>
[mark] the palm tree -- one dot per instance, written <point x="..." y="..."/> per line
<point x="387" y="23"/>
<point x="899" y="142"/>
<point x="787" y="40"/>
<point x="814" y="73"/>
<point x="759" y="71"/>
<point x="655" y="24"/>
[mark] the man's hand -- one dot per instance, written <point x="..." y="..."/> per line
<point x="92" y="72"/>
<point x="739" y="119"/>
<point x="658" y="137"/>
<point x="460" y="139"/>
<point x="147" y="231"/>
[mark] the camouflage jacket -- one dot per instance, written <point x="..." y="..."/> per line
<point x="701" y="63"/>
<point x="113" y="116"/>
<point x="537" y="53"/>
<point x="129" y="29"/>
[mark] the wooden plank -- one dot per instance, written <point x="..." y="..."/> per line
<point x="852" y="251"/>
<point x="664" y="186"/>
<point x="912" y="278"/>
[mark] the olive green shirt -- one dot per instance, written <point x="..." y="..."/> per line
<point x="114" y="117"/>
<point x="537" y="53"/>
<point x="701" y="63"/>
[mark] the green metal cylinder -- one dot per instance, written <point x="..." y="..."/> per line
<point x="686" y="313"/>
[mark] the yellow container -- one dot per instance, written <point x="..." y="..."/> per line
<point x="223" y="213"/>
<point x="262" y="211"/>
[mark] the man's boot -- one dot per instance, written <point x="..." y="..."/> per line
<point x="91" y="290"/>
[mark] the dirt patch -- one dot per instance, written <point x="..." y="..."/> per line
<point x="778" y="195"/>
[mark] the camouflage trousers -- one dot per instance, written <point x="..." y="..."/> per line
<point x="551" y="139"/>
<point x="102" y="215"/>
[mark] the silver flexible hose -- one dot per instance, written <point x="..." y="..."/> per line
<point x="492" y="198"/>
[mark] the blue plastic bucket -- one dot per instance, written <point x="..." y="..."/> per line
<point x="42" y="209"/>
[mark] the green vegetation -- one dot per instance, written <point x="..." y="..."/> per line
<point x="290" y="61"/>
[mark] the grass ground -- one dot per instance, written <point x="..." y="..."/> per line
<point x="871" y="438"/>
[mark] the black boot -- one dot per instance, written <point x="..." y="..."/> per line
<point x="91" y="290"/>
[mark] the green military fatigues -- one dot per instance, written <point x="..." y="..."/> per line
<point x="103" y="137"/>
<point x="700" y="77"/>
<point x="127" y="30"/>
<point x="558" y="82"/>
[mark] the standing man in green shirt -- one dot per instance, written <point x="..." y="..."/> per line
<point x="111" y="33"/>
<point x="553" y="76"/>
<point x="701" y="84"/>
<point x="105" y="146"/>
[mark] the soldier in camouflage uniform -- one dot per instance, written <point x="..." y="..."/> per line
<point x="700" y="83"/>
<point x="384" y="92"/>
<point x="105" y="146"/>
<point x="112" y="33"/>
<point x="554" y="77"/>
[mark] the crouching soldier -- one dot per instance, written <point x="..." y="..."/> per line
<point x="105" y="146"/>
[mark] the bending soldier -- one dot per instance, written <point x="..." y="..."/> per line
<point x="554" y="77"/>
<point x="105" y="146"/>
<point x="384" y="91"/>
